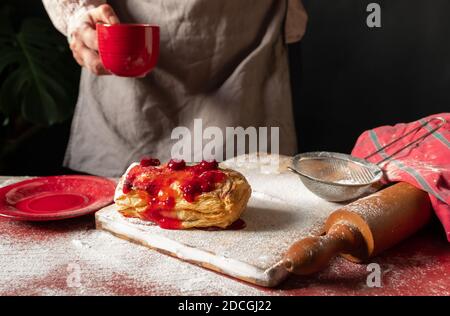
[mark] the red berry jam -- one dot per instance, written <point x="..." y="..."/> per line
<point x="155" y="184"/>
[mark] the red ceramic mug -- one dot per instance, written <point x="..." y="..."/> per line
<point x="128" y="50"/>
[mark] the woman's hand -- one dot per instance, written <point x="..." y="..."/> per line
<point x="83" y="39"/>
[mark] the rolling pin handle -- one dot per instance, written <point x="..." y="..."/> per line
<point x="312" y="254"/>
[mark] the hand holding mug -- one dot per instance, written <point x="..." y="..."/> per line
<point x="84" y="40"/>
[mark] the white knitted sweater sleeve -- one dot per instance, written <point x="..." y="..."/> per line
<point x="66" y="15"/>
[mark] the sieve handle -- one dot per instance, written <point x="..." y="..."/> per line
<point x="442" y="120"/>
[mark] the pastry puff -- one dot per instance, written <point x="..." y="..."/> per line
<point x="218" y="208"/>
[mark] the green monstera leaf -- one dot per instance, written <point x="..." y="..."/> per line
<point x="38" y="80"/>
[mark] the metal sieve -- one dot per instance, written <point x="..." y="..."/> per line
<point x="340" y="177"/>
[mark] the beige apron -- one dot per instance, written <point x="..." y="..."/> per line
<point x="223" y="61"/>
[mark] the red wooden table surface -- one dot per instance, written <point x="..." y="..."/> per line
<point x="70" y="257"/>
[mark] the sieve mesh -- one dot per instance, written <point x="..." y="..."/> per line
<point x="336" y="170"/>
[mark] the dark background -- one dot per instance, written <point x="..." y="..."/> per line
<point x="31" y="149"/>
<point x="346" y="77"/>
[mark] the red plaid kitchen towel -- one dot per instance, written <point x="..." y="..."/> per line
<point x="426" y="166"/>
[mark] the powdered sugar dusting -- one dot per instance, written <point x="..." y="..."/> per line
<point x="280" y="212"/>
<point x="35" y="259"/>
<point x="101" y="256"/>
<point x="44" y="267"/>
<point x="41" y="259"/>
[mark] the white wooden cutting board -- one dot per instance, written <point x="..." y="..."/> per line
<point x="280" y="212"/>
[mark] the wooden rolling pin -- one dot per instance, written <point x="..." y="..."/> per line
<point x="362" y="229"/>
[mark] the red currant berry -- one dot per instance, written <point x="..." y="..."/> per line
<point x="147" y="162"/>
<point x="175" y="164"/>
<point x="209" y="165"/>
<point x="190" y="191"/>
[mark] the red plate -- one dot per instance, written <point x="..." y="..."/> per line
<point x="54" y="198"/>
